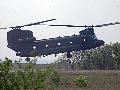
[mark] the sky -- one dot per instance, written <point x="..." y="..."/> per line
<point x="74" y="12"/>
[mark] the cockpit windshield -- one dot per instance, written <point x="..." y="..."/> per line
<point x="94" y="37"/>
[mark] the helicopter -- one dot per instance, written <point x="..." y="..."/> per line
<point x="24" y="43"/>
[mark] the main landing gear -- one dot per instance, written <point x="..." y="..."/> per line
<point x="27" y="59"/>
<point x="69" y="55"/>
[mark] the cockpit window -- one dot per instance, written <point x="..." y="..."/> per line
<point x="94" y="37"/>
<point x="84" y="40"/>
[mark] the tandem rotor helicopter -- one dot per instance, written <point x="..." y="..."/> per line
<point x="24" y="43"/>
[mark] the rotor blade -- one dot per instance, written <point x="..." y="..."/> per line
<point x="2" y="28"/>
<point x="37" y="23"/>
<point x="89" y="25"/>
<point x="107" y="24"/>
<point x="73" y="25"/>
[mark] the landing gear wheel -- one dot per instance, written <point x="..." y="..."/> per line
<point x="27" y="59"/>
<point x="69" y="55"/>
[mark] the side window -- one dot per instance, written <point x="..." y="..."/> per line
<point x="59" y="44"/>
<point x="83" y="40"/>
<point x="46" y="46"/>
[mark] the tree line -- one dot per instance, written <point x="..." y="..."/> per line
<point x="106" y="57"/>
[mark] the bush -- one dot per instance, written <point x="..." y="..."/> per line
<point x="81" y="81"/>
<point x="28" y="78"/>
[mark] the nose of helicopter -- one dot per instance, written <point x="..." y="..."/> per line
<point x="100" y="43"/>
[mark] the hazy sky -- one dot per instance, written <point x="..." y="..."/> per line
<point x="76" y="12"/>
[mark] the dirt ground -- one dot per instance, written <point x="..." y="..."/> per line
<point x="98" y="79"/>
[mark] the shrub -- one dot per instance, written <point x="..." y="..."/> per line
<point x="28" y="78"/>
<point x="80" y="81"/>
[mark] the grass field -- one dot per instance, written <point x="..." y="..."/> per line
<point x="98" y="79"/>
